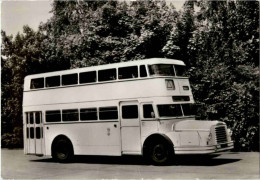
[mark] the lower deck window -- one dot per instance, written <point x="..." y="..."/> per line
<point x="88" y="114"/>
<point x="106" y="113"/>
<point x="70" y="115"/>
<point x="53" y="116"/>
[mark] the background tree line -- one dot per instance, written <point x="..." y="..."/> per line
<point x="218" y="41"/>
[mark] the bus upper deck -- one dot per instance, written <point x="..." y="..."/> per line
<point x="106" y="73"/>
<point x="154" y="77"/>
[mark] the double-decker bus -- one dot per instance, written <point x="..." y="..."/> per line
<point x="142" y="107"/>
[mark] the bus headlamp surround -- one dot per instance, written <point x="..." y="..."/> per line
<point x="209" y="138"/>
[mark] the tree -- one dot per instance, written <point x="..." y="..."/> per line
<point x="20" y="56"/>
<point x="225" y="71"/>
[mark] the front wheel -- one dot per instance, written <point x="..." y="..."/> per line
<point x="62" y="150"/>
<point x="160" y="153"/>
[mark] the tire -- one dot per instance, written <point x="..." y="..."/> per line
<point x="160" y="153"/>
<point x="62" y="150"/>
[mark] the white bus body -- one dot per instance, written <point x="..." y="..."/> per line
<point x="96" y="114"/>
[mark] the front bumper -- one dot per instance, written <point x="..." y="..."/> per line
<point x="204" y="149"/>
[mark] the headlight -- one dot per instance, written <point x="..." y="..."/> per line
<point x="229" y="132"/>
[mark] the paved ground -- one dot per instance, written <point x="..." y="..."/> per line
<point x="228" y="165"/>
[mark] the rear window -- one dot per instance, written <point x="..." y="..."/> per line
<point x="37" y="83"/>
<point x="107" y="75"/>
<point x="53" y="81"/>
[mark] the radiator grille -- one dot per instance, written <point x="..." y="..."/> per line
<point x="221" y="135"/>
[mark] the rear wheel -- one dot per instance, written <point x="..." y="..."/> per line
<point x="62" y="150"/>
<point x="160" y="153"/>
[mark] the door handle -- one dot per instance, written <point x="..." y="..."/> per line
<point x="115" y="125"/>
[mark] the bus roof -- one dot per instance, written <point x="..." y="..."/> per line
<point x="109" y="66"/>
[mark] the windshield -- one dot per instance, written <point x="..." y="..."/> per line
<point x="161" y="70"/>
<point x="167" y="70"/>
<point x="176" y="110"/>
<point x="180" y="70"/>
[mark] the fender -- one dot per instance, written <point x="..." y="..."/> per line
<point x="61" y="136"/>
<point x="156" y="136"/>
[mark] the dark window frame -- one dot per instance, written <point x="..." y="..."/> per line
<point x="46" y="114"/>
<point x="150" y="112"/>
<point x="122" y="72"/>
<point x="104" y="78"/>
<point x="100" y="116"/>
<point x="81" y="77"/>
<point x="82" y="109"/>
<point x="127" y="115"/>
<point x="143" y="70"/>
<point x="32" y="83"/>
<point x="70" y="115"/>
<point x="52" y="77"/>
<point x="65" y="82"/>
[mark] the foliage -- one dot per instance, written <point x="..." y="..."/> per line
<point x="225" y="73"/>
<point x="218" y="41"/>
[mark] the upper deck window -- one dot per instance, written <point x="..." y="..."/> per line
<point x="143" y="72"/>
<point x="180" y="70"/>
<point x="128" y="72"/>
<point x="69" y="79"/>
<point x="88" y="77"/>
<point x="107" y="75"/>
<point x="37" y="83"/>
<point x="161" y="70"/>
<point x="53" y="81"/>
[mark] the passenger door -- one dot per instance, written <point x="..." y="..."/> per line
<point x="130" y="127"/>
<point x="34" y="133"/>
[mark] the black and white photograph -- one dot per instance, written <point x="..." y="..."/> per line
<point x="130" y="89"/>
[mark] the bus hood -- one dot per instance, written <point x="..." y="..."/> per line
<point x="196" y="125"/>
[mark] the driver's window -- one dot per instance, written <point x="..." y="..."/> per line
<point x="148" y="111"/>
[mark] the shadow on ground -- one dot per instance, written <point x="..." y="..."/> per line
<point x="187" y="160"/>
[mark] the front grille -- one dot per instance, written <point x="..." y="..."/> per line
<point x="221" y="135"/>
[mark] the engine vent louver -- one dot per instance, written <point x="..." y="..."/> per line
<point x="221" y="135"/>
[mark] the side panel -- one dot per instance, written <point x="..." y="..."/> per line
<point x="92" y="138"/>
